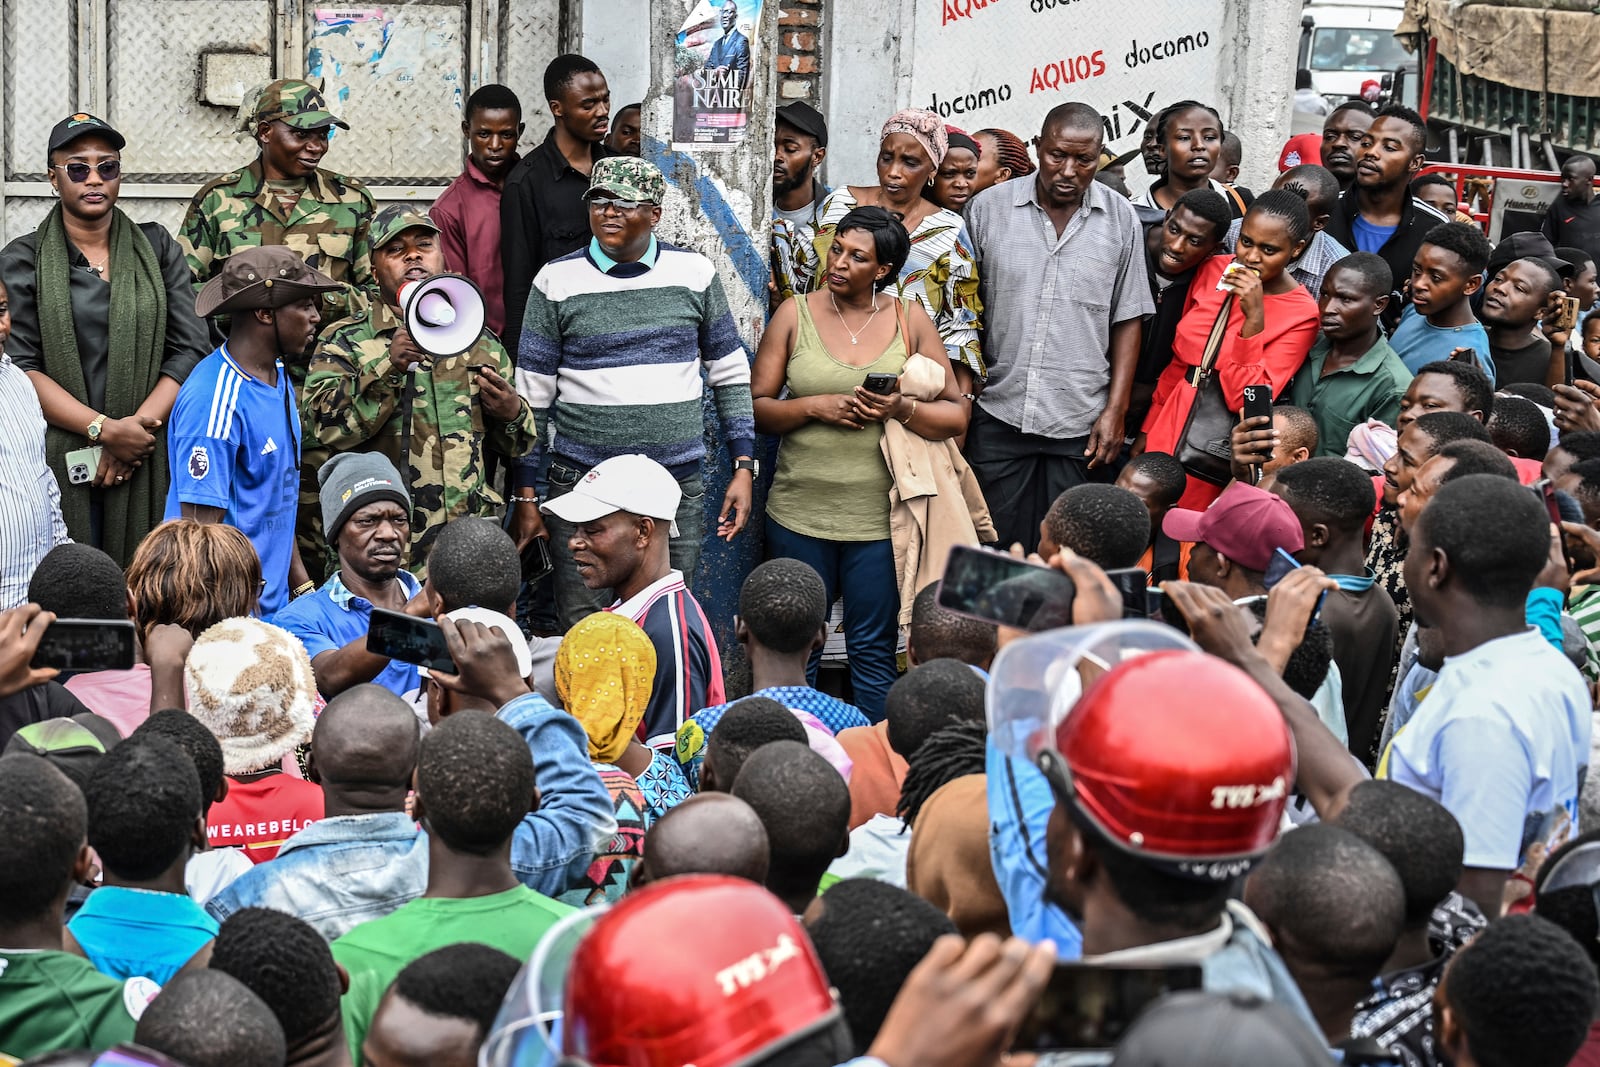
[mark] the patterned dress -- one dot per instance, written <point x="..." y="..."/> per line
<point x="940" y="272"/>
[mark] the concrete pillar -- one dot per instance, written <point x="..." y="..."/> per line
<point x="1257" y="81"/>
<point x="719" y="203"/>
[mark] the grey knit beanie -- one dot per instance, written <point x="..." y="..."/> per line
<point x="352" y="480"/>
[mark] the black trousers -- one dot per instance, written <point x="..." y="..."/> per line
<point x="1023" y="473"/>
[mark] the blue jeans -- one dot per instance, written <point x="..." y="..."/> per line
<point x="865" y="571"/>
<point x="574" y="600"/>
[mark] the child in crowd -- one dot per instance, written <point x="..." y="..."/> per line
<point x="1439" y="323"/>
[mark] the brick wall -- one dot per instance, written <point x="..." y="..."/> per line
<point x="800" y="51"/>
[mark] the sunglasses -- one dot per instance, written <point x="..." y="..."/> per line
<point x="108" y="169"/>
<point x="622" y="206"/>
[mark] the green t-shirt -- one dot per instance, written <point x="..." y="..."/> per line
<point x="51" y="1001"/>
<point x="374" y="952"/>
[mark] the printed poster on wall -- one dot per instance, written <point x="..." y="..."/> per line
<point x="1006" y="63"/>
<point x="711" y="83"/>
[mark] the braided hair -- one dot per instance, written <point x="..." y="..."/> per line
<point x="1012" y="152"/>
<point x="946" y="755"/>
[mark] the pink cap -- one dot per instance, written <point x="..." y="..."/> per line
<point x="1245" y="523"/>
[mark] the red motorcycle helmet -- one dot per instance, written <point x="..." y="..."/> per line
<point x="705" y="970"/>
<point x="1171" y="754"/>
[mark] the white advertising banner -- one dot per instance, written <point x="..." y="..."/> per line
<point x="1006" y="63"/>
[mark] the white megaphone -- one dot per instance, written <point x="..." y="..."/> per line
<point x="443" y="313"/>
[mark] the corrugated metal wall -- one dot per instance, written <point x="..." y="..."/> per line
<point x="398" y="72"/>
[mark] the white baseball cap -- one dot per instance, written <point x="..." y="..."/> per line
<point x="503" y="623"/>
<point x="633" y="483"/>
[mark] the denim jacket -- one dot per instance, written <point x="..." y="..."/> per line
<point x="555" y="845"/>
<point x="336" y="873"/>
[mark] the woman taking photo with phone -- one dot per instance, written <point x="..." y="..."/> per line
<point x="105" y="391"/>
<point x="829" y="503"/>
<point x="1271" y="326"/>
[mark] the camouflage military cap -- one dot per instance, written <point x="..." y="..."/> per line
<point x="396" y="219"/>
<point x="626" y="178"/>
<point x="268" y="276"/>
<point x="295" y="103"/>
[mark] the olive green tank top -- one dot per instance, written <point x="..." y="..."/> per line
<point x="832" y="482"/>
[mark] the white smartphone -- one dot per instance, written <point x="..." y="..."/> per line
<point x="82" y="465"/>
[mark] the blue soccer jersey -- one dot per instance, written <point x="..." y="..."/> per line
<point x="234" y="443"/>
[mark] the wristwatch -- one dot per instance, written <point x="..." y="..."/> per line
<point x="751" y="465"/>
<point x="93" y="432"/>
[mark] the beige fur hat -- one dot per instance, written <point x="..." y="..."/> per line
<point x="251" y="684"/>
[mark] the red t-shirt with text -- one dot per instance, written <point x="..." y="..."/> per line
<point x="260" y="815"/>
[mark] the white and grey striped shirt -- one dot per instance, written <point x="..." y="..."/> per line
<point x="30" y="500"/>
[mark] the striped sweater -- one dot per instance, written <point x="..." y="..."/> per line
<point x="618" y="356"/>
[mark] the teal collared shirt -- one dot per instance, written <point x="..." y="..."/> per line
<point x="607" y="264"/>
<point x="1355" y="583"/>
<point x="1370" y="388"/>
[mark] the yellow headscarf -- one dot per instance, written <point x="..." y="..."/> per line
<point x="605" y="671"/>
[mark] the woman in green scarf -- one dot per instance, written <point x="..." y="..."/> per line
<point x="103" y="322"/>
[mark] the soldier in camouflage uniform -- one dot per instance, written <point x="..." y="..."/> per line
<point x="371" y="388"/>
<point x="284" y="198"/>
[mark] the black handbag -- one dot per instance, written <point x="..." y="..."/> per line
<point x="1205" y="447"/>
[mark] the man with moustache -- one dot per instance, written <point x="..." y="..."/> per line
<point x="1064" y="291"/>
<point x="800" y="139"/>
<point x="371" y="388"/>
<point x="1378" y="213"/>
<point x="1342" y="134"/>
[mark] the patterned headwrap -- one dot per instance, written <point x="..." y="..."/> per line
<point x="1013" y="154"/>
<point x="605" y="670"/>
<point x="925" y="126"/>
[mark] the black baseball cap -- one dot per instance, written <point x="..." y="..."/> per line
<point x="805" y="118"/>
<point x="82" y="124"/>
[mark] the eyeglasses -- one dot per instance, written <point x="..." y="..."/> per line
<point x="622" y="206"/>
<point x="78" y="173"/>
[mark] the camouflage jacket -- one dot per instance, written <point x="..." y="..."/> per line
<point x="354" y="399"/>
<point x="327" y="228"/>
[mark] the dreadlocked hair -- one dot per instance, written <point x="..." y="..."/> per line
<point x="947" y="754"/>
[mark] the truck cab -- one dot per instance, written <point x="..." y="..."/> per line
<point x="1347" y="44"/>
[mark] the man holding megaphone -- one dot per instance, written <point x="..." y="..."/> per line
<point x="417" y="377"/>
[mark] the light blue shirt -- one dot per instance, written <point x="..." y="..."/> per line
<point x="1419" y="342"/>
<point x="1501" y="740"/>
<point x="333" y="616"/>
<point x="140" y="933"/>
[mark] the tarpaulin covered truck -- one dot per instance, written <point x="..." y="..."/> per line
<point x="1509" y="82"/>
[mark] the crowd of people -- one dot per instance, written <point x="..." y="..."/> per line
<point x="1321" y="466"/>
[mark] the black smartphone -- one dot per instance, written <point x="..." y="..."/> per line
<point x="409" y="639"/>
<point x="536" y="561"/>
<point x="1089" y="1007"/>
<point x="1133" y="584"/>
<point x="1160" y="608"/>
<point x="999" y="588"/>
<point x="1468" y="356"/>
<point x="1257" y="402"/>
<point x="882" y="384"/>
<point x="1547" y="490"/>
<point x="1279" y="567"/>
<point x="86" y="645"/>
